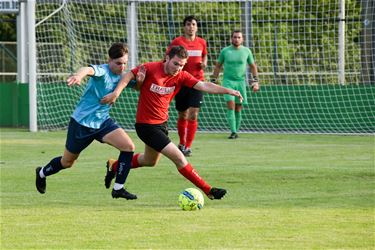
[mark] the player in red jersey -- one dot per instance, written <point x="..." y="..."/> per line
<point x="189" y="100"/>
<point x="161" y="82"/>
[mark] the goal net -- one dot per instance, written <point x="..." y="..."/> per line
<point x="315" y="58"/>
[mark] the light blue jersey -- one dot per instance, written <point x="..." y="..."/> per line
<point x="89" y="112"/>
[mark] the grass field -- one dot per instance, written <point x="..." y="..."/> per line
<point x="284" y="192"/>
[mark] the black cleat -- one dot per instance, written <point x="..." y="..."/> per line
<point x="110" y="174"/>
<point x="187" y="152"/>
<point x="122" y="193"/>
<point x="40" y="182"/>
<point x="181" y="147"/>
<point x="216" y="193"/>
<point x="233" y="136"/>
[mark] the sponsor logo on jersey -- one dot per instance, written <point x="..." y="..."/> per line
<point x="195" y="52"/>
<point x="162" y="90"/>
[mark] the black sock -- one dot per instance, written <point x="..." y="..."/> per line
<point x="123" y="167"/>
<point x="53" y="166"/>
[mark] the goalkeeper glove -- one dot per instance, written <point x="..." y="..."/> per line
<point x="254" y="84"/>
<point x="214" y="80"/>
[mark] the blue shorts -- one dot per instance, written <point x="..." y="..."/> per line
<point x="79" y="137"/>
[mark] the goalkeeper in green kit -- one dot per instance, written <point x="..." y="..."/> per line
<point x="234" y="59"/>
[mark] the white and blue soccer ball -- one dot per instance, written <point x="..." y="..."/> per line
<point x="191" y="199"/>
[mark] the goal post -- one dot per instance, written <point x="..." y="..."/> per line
<point x="313" y="58"/>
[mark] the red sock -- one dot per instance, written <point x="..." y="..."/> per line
<point x="114" y="166"/>
<point x="181" y="128"/>
<point x="189" y="173"/>
<point x="190" y="134"/>
<point x="135" y="163"/>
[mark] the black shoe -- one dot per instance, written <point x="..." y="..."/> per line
<point x="40" y="182"/>
<point x="109" y="176"/>
<point x="216" y="193"/>
<point x="181" y="147"/>
<point x="233" y="136"/>
<point x="122" y="193"/>
<point x="187" y="152"/>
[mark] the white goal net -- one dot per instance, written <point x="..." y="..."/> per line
<point x="315" y="58"/>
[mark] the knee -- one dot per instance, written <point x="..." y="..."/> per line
<point x="130" y="147"/>
<point x="150" y="163"/>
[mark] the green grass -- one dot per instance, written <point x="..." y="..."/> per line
<point x="284" y="192"/>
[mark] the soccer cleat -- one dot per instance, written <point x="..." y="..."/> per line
<point x="40" y="182"/>
<point x="187" y="152"/>
<point x="216" y="193"/>
<point x="233" y="135"/>
<point x="110" y="174"/>
<point x="181" y="147"/>
<point x="122" y="193"/>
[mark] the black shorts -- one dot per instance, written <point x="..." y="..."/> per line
<point x="79" y="137"/>
<point x="153" y="135"/>
<point x="188" y="97"/>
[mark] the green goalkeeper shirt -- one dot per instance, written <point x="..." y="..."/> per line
<point x="234" y="61"/>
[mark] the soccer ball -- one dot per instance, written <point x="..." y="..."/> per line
<point x="191" y="199"/>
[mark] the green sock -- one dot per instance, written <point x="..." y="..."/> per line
<point x="231" y="120"/>
<point x="238" y="120"/>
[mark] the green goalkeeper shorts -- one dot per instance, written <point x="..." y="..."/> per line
<point x="240" y="86"/>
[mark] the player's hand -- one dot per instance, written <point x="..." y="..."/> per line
<point x="140" y="77"/>
<point x="73" y="79"/>
<point x="238" y="94"/>
<point x="109" y="98"/>
<point x="254" y="84"/>
<point x="203" y="65"/>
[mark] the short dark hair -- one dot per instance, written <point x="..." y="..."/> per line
<point x="179" y="51"/>
<point x="189" y="19"/>
<point x="118" y="50"/>
<point x="236" y="31"/>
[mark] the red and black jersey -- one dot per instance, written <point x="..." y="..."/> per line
<point x="157" y="92"/>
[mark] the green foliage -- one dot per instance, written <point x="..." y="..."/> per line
<point x="8" y="27"/>
<point x="294" y="42"/>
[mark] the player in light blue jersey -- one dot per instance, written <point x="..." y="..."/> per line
<point x="90" y="121"/>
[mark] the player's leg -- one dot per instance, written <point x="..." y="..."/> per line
<point x="73" y="147"/>
<point x="239" y="105"/>
<point x="192" y="125"/>
<point x="231" y="118"/>
<point x="187" y="170"/>
<point x="120" y="140"/>
<point x="53" y="167"/>
<point x="182" y="124"/>
<point x="182" y="105"/>
<point x="238" y="116"/>
<point x="195" y="102"/>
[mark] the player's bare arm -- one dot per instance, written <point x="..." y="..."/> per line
<point x="212" y="88"/>
<point x="112" y="97"/>
<point x="216" y="73"/>
<point x="81" y="73"/>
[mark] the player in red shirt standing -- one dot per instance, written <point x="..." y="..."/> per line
<point x="189" y="100"/>
<point x="161" y="82"/>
